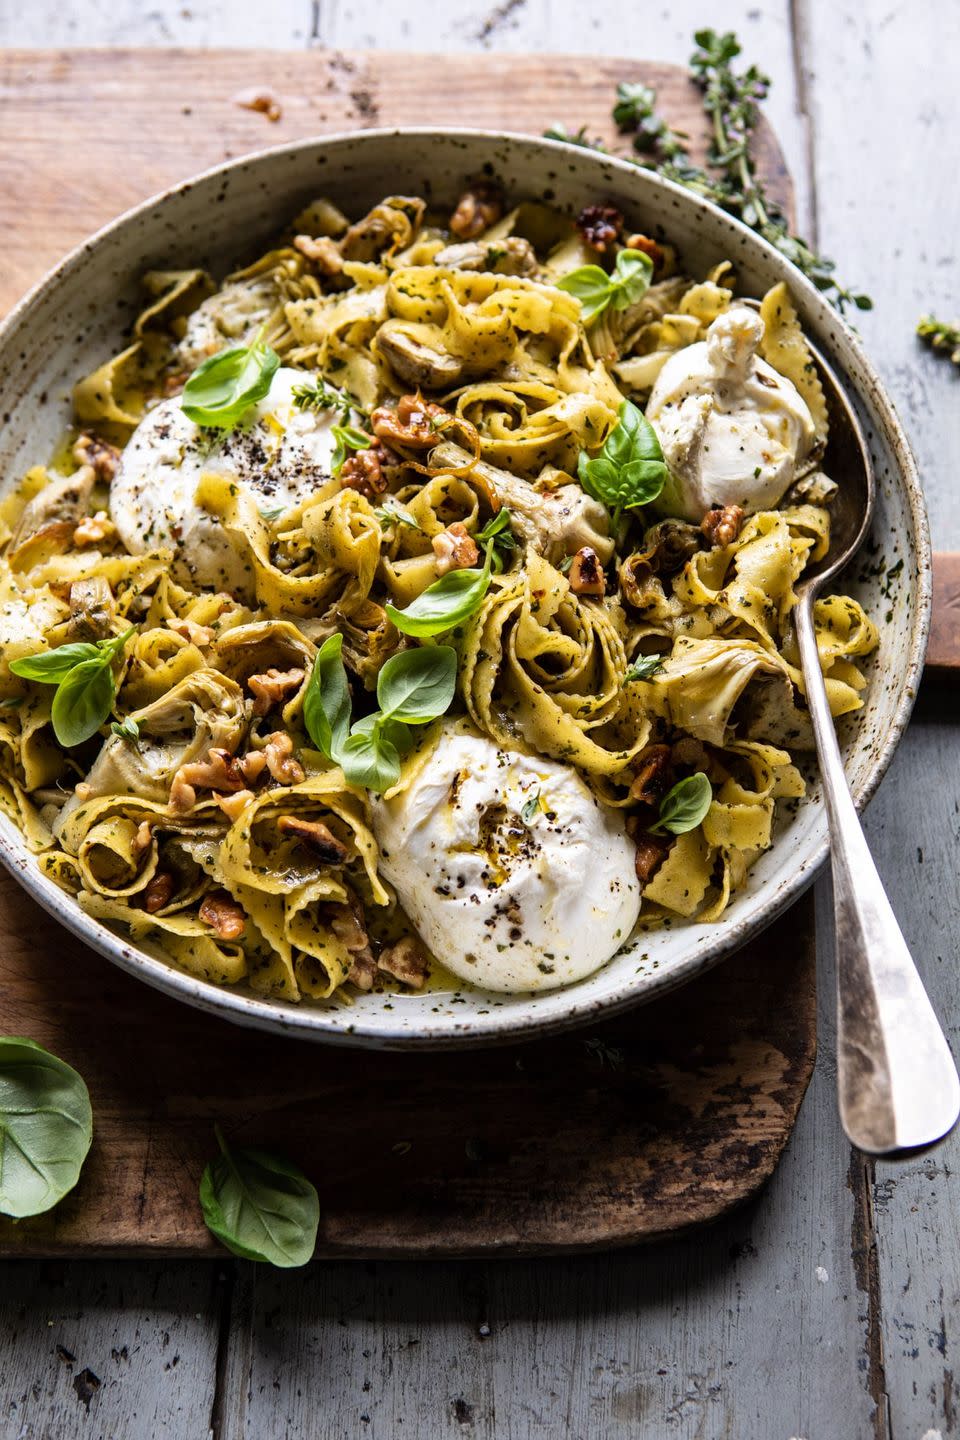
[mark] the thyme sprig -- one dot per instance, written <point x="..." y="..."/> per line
<point x="731" y="100"/>
<point x="940" y="336"/>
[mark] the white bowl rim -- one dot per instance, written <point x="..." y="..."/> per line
<point x="508" y="1027"/>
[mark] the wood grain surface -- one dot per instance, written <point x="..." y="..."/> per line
<point x="682" y="1110"/>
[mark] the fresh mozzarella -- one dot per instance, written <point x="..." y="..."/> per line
<point x="278" y="454"/>
<point x="515" y="875"/>
<point x="732" y="429"/>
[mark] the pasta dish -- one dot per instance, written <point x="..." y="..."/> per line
<point x="417" y="602"/>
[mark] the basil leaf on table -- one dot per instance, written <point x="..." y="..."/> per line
<point x="418" y="685"/>
<point x="630" y="470"/>
<point x="85" y="685"/>
<point x="597" y="291"/>
<point x="224" y="387"/>
<point x="46" y="1126"/>
<point x="260" y="1206"/>
<point x="684" y="807"/>
<point x="444" y="604"/>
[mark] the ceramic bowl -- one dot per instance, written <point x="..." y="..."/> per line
<point x="78" y="316"/>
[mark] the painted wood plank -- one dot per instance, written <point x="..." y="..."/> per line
<point x="881" y="89"/>
<point x="107" y="1350"/>
<point x="756" y="1329"/>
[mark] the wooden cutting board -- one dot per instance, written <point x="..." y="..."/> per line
<point x="617" y="1133"/>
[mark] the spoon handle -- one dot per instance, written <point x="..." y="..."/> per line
<point x="897" y="1081"/>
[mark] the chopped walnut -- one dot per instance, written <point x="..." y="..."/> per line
<point x="649" y="247"/>
<point x="175" y="381"/>
<point x="223" y="914"/>
<point x="252" y="765"/>
<point x="94" y="529"/>
<point x="272" y="686"/>
<point x="364" y="472"/>
<point x="347" y="923"/>
<point x="723" y="525"/>
<point x="158" y="892"/>
<point x="406" y="961"/>
<point x="278" y="752"/>
<point x="263" y="101"/>
<point x="234" y="805"/>
<point x="199" y="635"/>
<point x="101" y="457"/>
<point x="219" y="771"/>
<point x="600" y="226"/>
<point x="329" y="850"/>
<point x="455" y="549"/>
<point x="652" y="850"/>
<point x="477" y="209"/>
<point x="410" y="424"/>
<point x="653" y="775"/>
<point x="142" y="840"/>
<point x="321" y="251"/>
<point x="586" y="575"/>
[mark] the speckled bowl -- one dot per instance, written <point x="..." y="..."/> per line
<point x="78" y="315"/>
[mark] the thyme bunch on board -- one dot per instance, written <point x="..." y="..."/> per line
<point x="941" y="337"/>
<point x="731" y="101"/>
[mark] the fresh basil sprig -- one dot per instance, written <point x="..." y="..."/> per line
<point x="348" y="439"/>
<point x="224" y="387"/>
<point x="260" y="1206"/>
<point x="629" y="471"/>
<point x="413" y="688"/>
<point x="683" y="808"/>
<point x="597" y="291"/>
<point x="497" y="530"/>
<point x="46" y="1126"/>
<point x="643" y="669"/>
<point x="83" y="675"/>
<point x="448" y="601"/>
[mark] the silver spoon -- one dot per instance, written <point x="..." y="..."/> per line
<point x="896" y="1078"/>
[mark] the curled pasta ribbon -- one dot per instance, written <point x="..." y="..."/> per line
<point x="542" y="668"/>
<point x="183" y="937"/>
<point x="526" y="425"/>
<point x="784" y="346"/>
<point x="286" y="888"/>
<point x="328" y="542"/>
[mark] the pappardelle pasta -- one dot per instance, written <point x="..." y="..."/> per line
<point x="421" y="595"/>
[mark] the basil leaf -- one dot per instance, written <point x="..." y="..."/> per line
<point x="684" y="807"/>
<point x="348" y="439"/>
<point x="83" y="701"/>
<point x="445" y="603"/>
<point x="46" y="1126"/>
<point x="326" y="702"/>
<point x="127" y="729"/>
<point x="370" y="757"/>
<point x="598" y="291"/>
<point x="643" y="668"/>
<point x="223" y="388"/>
<point x="52" y="666"/>
<point x="630" y="470"/>
<point x="260" y="1206"/>
<point x="418" y="685"/>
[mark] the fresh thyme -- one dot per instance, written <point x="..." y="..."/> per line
<point x="940" y="336"/>
<point x="731" y="101"/>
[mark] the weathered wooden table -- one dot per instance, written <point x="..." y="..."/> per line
<point x="827" y="1309"/>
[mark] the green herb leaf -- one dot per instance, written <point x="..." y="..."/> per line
<point x="530" y="808"/>
<point x="395" y="515"/>
<point x="348" y="439"/>
<point x="271" y="515"/>
<point x="49" y="667"/>
<point x="448" y="601"/>
<point x="127" y="729"/>
<point x="418" y="685"/>
<point x="83" y="701"/>
<point x="630" y="469"/>
<point x="644" y="668"/>
<point x="371" y="757"/>
<point x="596" y="290"/>
<point x="683" y="808"/>
<point x="316" y="396"/>
<point x="326" y="702"/>
<point x="260" y="1206"/>
<point x="497" y="530"/>
<point x="12" y="702"/>
<point x="46" y="1126"/>
<point x="940" y="336"/>
<point x="225" y="387"/>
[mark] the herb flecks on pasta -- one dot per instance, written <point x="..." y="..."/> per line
<point x="421" y="592"/>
